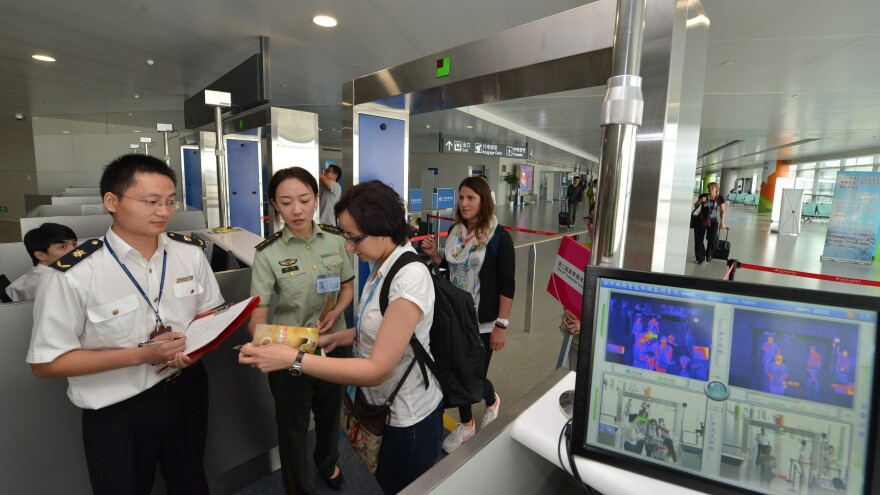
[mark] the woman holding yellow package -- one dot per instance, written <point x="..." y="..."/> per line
<point x="306" y="265"/>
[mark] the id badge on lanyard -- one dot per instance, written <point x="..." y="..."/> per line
<point x="458" y="274"/>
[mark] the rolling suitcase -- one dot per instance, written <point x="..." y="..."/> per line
<point x="722" y="249"/>
<point x="564" y="218"/>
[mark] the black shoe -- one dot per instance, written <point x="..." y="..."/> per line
<point x="708" y="258"/>
<point x="336" y="483"/>
<point x="699" y="262"/>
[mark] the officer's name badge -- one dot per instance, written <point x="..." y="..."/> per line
<point x="184" y="279"/>
<point x="289" y="269"/>
<point x="287" y="262"/>
<point x="327" y="255"/>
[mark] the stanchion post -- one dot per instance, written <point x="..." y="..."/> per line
<point x="530" y="287"/>
<point x="735" y="264"/>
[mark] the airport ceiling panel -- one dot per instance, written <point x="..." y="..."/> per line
<point x="823" y="51"/>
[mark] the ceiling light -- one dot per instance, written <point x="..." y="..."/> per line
<point x="325" y="21"/>
<point x="427" y="126"/>
<point x="469" y="126"/>
<point x="43" y="58"/>
<point x="283" y="85"/>
<point x="151" y="61"/>
<point x="136" y="96"/>
<point x="136" y="130"/>
<point x="65" y="132"/>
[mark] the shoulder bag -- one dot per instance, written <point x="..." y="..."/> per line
<point x="696" y="221"/>
<point x="364" y="423"/>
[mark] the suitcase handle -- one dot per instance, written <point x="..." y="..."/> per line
<point x="726" y="234"/>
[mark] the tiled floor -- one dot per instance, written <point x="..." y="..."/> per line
<point x="530" y="357"/>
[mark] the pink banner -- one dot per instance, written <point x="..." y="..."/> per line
<point x="567" y="277"/>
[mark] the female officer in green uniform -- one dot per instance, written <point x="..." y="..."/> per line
<point x="304" y="263"/>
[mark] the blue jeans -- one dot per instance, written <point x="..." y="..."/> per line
<point x="408" y="452"/>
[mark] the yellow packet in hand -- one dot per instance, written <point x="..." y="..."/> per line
<point x="302" y="338"/>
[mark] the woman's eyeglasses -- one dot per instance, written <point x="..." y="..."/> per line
<point x="355" y="240"/>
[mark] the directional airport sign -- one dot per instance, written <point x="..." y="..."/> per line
<point x="466" y="146"/>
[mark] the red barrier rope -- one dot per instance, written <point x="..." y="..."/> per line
<point x="420" y="237"/>
<point x="506" y="227"/>
<point x="795" y="273"/>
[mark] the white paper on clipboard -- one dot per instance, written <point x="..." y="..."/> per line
<point x="204" y="330"/>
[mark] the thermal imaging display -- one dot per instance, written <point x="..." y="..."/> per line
<point x="728" y="387"/>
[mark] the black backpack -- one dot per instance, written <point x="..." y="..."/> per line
<point x="455" y="339"/>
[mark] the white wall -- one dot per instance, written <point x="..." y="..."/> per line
<point x="78" y="159"/>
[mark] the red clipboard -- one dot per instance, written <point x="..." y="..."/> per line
<point x="223" y="335"/>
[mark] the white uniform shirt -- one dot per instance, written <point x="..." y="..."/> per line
<point x="25" y="287"/>
<point x="413" y="283"/>
<point x="94" y="305"/>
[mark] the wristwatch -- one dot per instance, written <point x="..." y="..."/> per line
<point x="502" y="323"/>
<point x="296" y="367"/>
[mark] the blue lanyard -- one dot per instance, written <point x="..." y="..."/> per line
<point x="357" y="322"/>
<point x="131" y="277"/>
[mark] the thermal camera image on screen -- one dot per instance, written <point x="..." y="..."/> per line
<point x="662" y="424"/>
<point x="754" y="389"/>
<point x="794" y="356"/>
<point x="660" y="335"/>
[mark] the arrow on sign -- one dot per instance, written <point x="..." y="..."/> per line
<point x="448" y="145"/>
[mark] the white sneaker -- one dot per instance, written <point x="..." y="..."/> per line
<point x="491" y="412"/>
<point x="461" y="434"/>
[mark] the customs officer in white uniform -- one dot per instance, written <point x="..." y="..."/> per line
<point x="110" y="318"/>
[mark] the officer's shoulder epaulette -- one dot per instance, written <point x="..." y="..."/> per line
<point x="195" y="241"/>
<point x="330" y="228"/>
<point x="269" y="240"/>
<point x="80" y="253"/>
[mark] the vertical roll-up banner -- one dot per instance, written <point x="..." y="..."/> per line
<point x="855" y="218"/>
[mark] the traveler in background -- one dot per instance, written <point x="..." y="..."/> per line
<point x="284" y="264"/>
<point x="712" y="217"/>
<point x="45" y="244"/>
<point x="94" y="309"/>
<point x="373" y="223"/>
<point x="591" y="193"/>
<point x="331" y="191"/>
<point x="575" y="195"/>
<point x="488" y="276"/>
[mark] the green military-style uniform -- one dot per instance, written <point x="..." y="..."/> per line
<point x="294" y="269"/>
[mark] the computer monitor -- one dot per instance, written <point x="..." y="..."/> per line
<point x="728" y="387"/>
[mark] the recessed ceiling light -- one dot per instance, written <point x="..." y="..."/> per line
<point x="136" y="130"/>
<point x="43" y="58"/>
<point x="469" y="126"/>
<point x="427" y="126"/>
<point x="283" y="85"/>
<point x="325" y="21"/>
<point x="727" y="62"/>
<point x="65" y="132"/>
<point x="136" y="96"/>
<point x="151" y="61"/>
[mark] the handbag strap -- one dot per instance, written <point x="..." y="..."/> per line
<point x="391" y="397"/>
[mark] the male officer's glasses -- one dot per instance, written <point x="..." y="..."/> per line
<point x="155" y="205"/>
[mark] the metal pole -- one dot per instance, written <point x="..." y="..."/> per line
<point x="222" y="178"/>
<point x="165" y="140"/>
<point x="530" y="287"/>
<point x="621" y="118"/>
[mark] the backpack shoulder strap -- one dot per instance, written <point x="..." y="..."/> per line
<point x="421" y="355"/>
<point x="495" y="241"/>
<point x="404" y="259"/>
